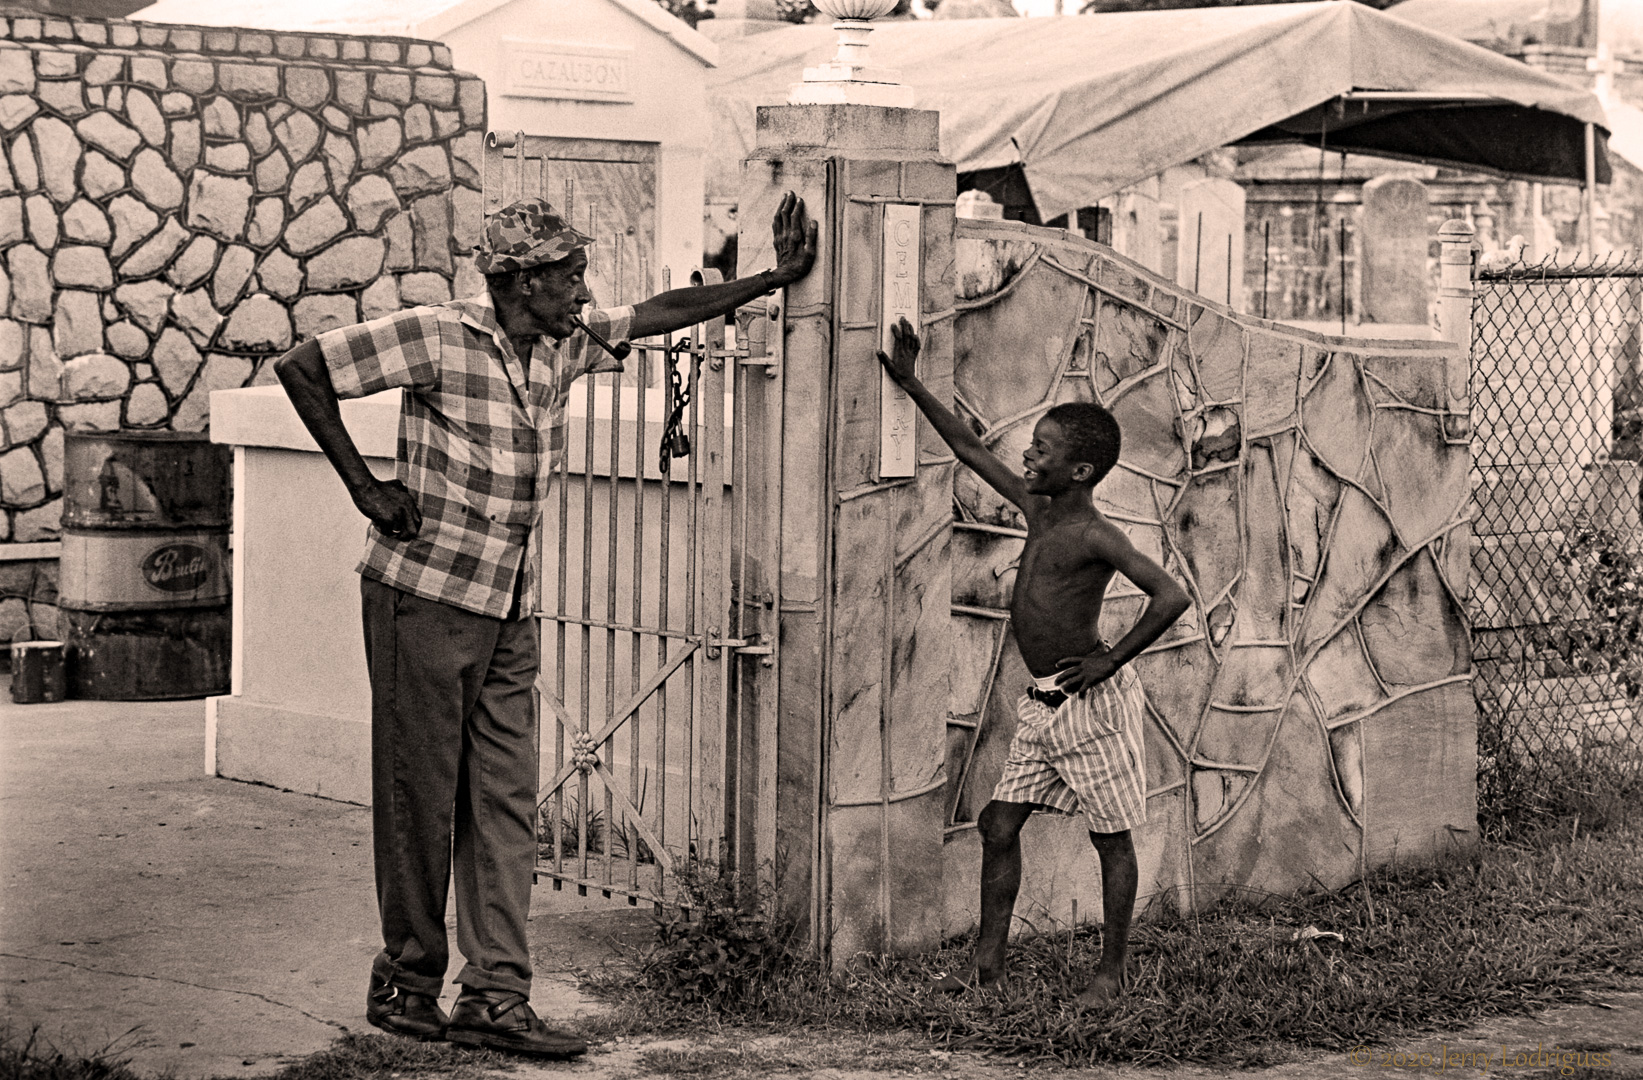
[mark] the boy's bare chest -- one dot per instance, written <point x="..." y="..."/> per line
<point x="1058" y="559"/>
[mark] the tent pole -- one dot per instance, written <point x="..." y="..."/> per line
<point x="1588" y="193"/>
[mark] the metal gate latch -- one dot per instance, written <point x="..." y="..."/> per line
<point x="748" y="646"/>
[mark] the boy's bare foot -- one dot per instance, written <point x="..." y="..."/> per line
<point x="970" y="980"/>
<point x="1102" y="990"/>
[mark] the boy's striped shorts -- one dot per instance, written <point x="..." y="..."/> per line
<point x="1086" y="756"/>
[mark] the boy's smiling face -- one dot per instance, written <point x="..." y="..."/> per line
<point x="1048" y="466"/>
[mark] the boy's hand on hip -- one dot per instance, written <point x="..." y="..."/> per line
<point x="904" y="358"/>
<point x="1079" y="673"/>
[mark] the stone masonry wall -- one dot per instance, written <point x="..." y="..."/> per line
<point x="179" y="205"/>
<point x="1311" y="714"/>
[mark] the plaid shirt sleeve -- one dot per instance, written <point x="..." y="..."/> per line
<point x="398" y="350"/>
<point x="612" y="325"/>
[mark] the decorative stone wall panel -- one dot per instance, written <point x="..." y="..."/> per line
<point x="1310" y="715"/>
<point x="179" y="205"/>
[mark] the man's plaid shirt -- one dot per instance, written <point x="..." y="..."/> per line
<point x="479" y="437"/>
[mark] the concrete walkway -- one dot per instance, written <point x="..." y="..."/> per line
<point x="204" y="927"/>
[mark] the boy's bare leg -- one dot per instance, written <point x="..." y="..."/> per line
<point x="1119" y="877"/>
<point x="1000" y="827"/>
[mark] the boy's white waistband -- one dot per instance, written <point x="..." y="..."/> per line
<point x="1046" y="682"/>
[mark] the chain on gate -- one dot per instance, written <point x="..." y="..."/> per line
<point x="1557" y="582"/>
<point x="675" y="443"/>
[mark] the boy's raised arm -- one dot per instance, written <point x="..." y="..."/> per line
<point x="1166" y="601"/>
<point x="953" y="431"/>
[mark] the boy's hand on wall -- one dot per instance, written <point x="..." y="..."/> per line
<point x="905" y="348"/>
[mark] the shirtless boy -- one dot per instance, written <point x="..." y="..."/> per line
<point x="1078" y="743"/>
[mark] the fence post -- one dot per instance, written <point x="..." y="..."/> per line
<point x="1455" y="283"/>
<point x="1454" y="323"/>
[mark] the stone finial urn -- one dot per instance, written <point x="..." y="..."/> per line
<point x="848" y="79"/>
<point x="862" y="10"/>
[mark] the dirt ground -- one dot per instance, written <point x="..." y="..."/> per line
<point x="232" y="926"/>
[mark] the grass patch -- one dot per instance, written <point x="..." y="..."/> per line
<point x="372" y="1057"/>
<point x="30" y="1058"/>
<point x="755" y="1059"/>
<point x="1521" y="798"/>
<point x="1521" y="925"/>
<point x="352" y="1057"/>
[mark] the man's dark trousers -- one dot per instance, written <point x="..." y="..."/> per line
<point x="453" y="758"/>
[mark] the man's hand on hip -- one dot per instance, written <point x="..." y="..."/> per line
<point x="391" y="508"/>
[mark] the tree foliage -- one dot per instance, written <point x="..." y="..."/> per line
<point x="793" y="11"/>
<point x="691" y="11"/>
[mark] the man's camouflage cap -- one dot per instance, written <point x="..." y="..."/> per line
<point x="524" y="234"/>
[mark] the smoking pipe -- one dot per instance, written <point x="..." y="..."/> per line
<point x="618" y="351"/>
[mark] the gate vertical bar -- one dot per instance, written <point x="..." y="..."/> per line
<point x="561" y="633"/>
<point x="756" y="456"/>
<point x="643" y="360"/>
<point x="707" y="462"/>
<point x="663" y="618"/>
<point x="768" y="443"/>
<point x="614" y="497"/>
<point x="741" y="691"/>
<point x="584" y="813"/>
<point x="665" y="488"/>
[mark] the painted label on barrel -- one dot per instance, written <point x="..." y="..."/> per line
<point x="128" y="570"/>
<point x="177" y="567"/>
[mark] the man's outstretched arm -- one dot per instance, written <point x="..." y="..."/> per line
<point x="953" y="431"/>
<point x="795" y="255"/>
<point x="307" y="383"/>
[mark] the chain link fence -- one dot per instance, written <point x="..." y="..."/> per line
<point x="1557" y="589"/>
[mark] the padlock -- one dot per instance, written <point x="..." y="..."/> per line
<point x="679" y="445"/>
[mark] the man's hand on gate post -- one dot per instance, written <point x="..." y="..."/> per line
<point x="795" y="244"/>
<point x="795" y="241"/>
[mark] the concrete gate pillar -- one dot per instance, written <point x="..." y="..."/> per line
<point x="865" y="512"/>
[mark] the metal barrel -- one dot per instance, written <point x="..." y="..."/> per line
<point x="144" y="579"/>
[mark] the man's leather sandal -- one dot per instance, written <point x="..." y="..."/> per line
<point x="404" y="1012"/>
<point x="504" y="1020"/>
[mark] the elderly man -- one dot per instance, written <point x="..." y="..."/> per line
<point x="447" y="594"/>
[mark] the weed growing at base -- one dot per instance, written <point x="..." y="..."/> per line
<point x="352" y="1057"/>
<point x="372" y="1057"/>
<point x="32" y="1058"/>
<point x="1515" y="928"/>
<point x="724" y="955"/>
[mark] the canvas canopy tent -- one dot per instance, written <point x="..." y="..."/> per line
<point x="1086" y="105"/>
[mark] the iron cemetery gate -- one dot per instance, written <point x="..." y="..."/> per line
<point x="1557" y="565"/>
<point x="657" y="697"/>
